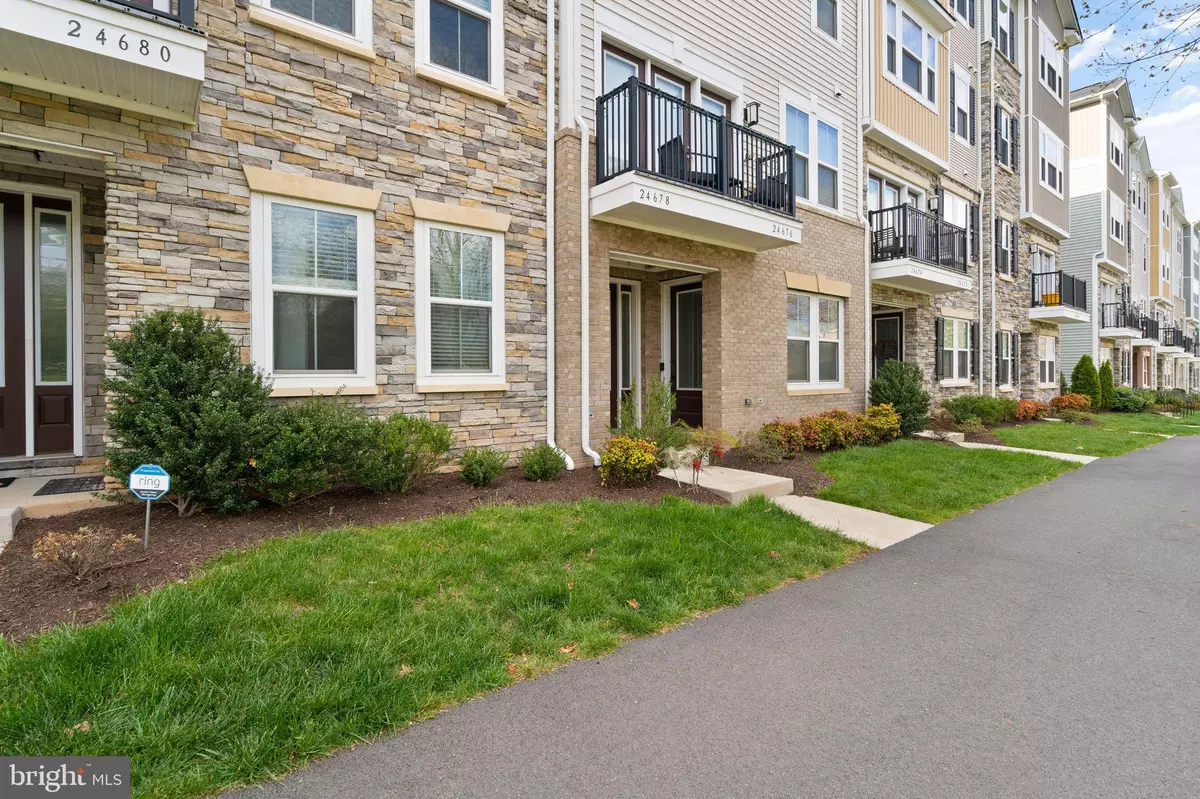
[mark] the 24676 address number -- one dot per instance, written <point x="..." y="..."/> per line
<point x="123" y="40"/>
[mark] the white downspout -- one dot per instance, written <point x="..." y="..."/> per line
<point x="585" y="272"/>
<point x="994" y="274"/>
<point x="551" y="35"/>
<point x="864" y="28"/>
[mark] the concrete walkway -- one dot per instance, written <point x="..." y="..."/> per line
<point x="733" y="485"/>
<point x="879" y="530"/>
<point x="1062" y="456"/>
<point x="1043" y="646"/>
<point x="19" y="501"/>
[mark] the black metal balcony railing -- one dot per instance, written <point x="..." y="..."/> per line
<point x="182" y="12"/>
<point x="1051" y="289"/>
<point x="1119" y="314"/>
<point x="1150" y="328"/>
<point x="642" y="129"/>
<point x="1172" y="337"/>
<point x="906" y="232"/>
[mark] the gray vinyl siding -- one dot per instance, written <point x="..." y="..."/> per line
<point x="1075" y="258"/>
<point x="1046" y="110"/>
<point x="963" y="45"/>
<point x="1117" y="180"/>
<point x="768" y="46"/>
<point x="1139" y="241"/>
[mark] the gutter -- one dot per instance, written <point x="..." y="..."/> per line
<point x="550" y="129"/>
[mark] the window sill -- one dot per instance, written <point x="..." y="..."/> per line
<point x="1005" y="389"/>
<point x="1005" y="277"/>
<point x="957" y="382"/>
<point x="459" y="388"/>
<point x="292" y="25"/>
<point x="324" y="391"/>
<point x="1046" y="385"/>
<point x="1006" y="167"/>
<point x="463" y="84"/>
<point x="816" y="392"/>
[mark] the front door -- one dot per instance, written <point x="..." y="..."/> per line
<point x="887" y="341"/>
<point x="687" y="353"/>
<point x="37" y="397"/>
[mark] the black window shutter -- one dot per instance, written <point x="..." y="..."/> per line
<point x="974" y="350"/>
<point x="972" y="13"/>
<point x="995" y="21"/>
<point x="972" y="111"/>
<point x="997" y="125"/>
<point x="1016" y="254"/>
<point x="1000" y="267"/>
<point x="1014" y="375"/>
<point x="1012" y="34"/>
<point x="952" y="106"/>
<point x="975" y="231"/>
<point x="1016" y="146"/>
<point x="937" y="347"/>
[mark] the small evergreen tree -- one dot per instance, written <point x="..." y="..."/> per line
<point x="1086" y="381"/>
<point x="899" y="384"/>
<point x="1107" y="388"/>
<point x="182" y="398"/>
<point x="1063" y="387"/>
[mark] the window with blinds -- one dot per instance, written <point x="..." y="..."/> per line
<point x="460" y="301"/>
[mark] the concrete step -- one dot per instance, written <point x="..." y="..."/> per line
<point x="734" y="485"/>
<point x="873" y="528"/>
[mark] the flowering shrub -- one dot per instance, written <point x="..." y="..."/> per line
<point x="836" y="429"/>
<point x="880" y="424"/>
<point x="1028" y="410"/>
<point x="788" y="435"/>
<point x="627" y="462"/>
<point x="1071" y="402"/>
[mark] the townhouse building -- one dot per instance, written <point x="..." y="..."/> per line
<point x="1144" y="358"/>
<point x="1167" y="220"/>
<point x="708" y="216"/>
<point x="355" y="188"/>
<point x="1191" y="303"/>
<point x="1107" y="202"/>
<point x="1025" y="187"/>
<point x="922" y="139"/>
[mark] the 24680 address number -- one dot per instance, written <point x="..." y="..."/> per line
<point x="123" y="40"/>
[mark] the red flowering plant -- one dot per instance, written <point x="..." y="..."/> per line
<point x="707" y="445"/>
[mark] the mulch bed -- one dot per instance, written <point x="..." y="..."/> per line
<point x="806" y="480"/>
<point x="34" y="595"/>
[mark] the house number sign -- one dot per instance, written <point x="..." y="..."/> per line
<point x="102" y="38"/>
<point x="654" y="197"/>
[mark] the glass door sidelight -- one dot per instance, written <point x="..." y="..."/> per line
<point x="687" y="353"/>
<point x="37" y="296"/>
<point x="624" y="334"/>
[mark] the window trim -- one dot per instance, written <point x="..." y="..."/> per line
<point x="262" y="314"/>
<point x="954" y="10"/>
<point x="1113" y="222"/>
<point x="1116" y="135"/>
<point x="1005" y="144"/>
<point x="835" y="168"/>
<point x="957" y="379"/>
<point x="1045" y="38"/>
<point x="1006" y="248"/>
<point x="363" y="37"/>
<point x="817" y="113"/>
<point x="496" y="55"/>
<point x="1053" y="381"/>
<point x="1006" y="342"/>
<point x="1002" y="26"/>
<point x="897" y="40"/>
<point x="814" y="343"/>
<point x="426" y="378"/>
<point x="836" y="37"/>
<point x="1044" y="133"/>
<point x="963" y="132"/>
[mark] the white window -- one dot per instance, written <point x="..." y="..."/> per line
<point x="313" y="281"/>
<point x="956" y="349"/>
<point x="1046" y="262"/>
<point x="814" y="341"/>
<point x="1050" y="67"/>
<point x="963" y="9"/>
<point x="890" y="46"/>
<point x="1116" y="144"/>
<point x="460" y="306"/>
<point x="957" y="211"/>
<point x="1003" y="136"/>
<point x="1046" y="354"/>
<point x="1051" y="169"/>
<point x="1116" y="212"/>
<point x="1004" y="32"/>
<point x="912" y="63"/>
<point x="802" y="127"/>
<point x="931" y="49"/>
<point x="1004" y="359"/>
<point x="1004" y="261"/>
<point x="462" y="39"/>
<point x="917" y="58"/>
<point x="343" y="19"/>
<point x="962" y="111"/>
<point x="826" y="16"/>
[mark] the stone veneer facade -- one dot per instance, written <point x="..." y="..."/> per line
<point x="169" y="223"/>
<point x="744" y="314"/>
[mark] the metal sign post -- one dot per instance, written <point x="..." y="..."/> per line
<point x="149" y="482"/>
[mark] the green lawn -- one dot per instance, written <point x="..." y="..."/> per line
<point x="303" y="645"/>
<point x="1101" y="440"/>
<point x="1151" y="423"/>
<point x="931" y="482"/>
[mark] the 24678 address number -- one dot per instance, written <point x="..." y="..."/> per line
<point x="123" y="40"/>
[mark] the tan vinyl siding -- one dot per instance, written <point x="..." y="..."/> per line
<point x="765" y="46"/>
<point x="1087" y="134"/>
<point x="902" y="113"/>
<point x="1156" y="236"/>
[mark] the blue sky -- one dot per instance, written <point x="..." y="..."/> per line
<point x="1168" y="102"/>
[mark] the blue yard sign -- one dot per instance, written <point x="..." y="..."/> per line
<point x="149" y="482"/>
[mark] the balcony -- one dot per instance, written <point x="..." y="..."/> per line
<point x="1058" y="298"/>
<point x="1119" y="320"/>
<point x="1149" y="329"/>
<point x="138" y="55"/>
<point x="1188" y="343"/>
<point x="671" y="167"/>
<point x="916" y="251"/>
<point x="1172" y="341"/>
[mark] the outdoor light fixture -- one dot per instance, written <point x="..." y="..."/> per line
<point x="750" y="115"/>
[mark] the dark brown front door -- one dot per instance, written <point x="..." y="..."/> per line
<point x="44" y="383"/>
<point x="12" y="351"/>
<point x="687" y="353"/>
<point x="887" y="342"/>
